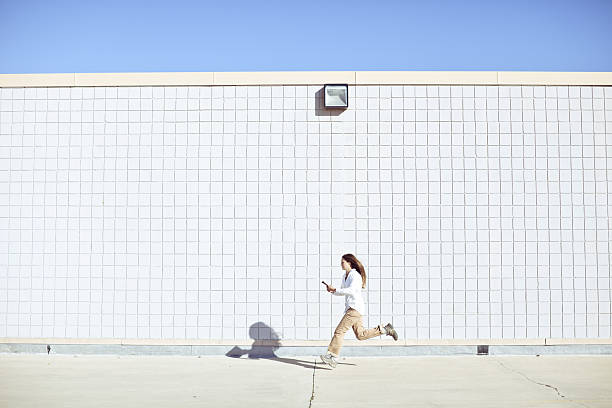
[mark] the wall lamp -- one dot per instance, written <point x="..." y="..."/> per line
<point x="336" y="96"/>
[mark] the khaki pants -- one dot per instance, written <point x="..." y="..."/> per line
<point x="352" y="318"/>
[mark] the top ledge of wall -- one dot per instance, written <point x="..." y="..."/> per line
<point x="306" y="78"/>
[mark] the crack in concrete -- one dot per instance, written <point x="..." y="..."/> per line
<point x="313" y="383"/>
<point x="539" y="383"/>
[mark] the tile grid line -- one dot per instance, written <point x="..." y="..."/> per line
<point x="558" y="188"/>
<point x="548" y="216"/>
<point x="127" y="260"/>
<point x="379" y="232"/>
<point x="439" y="203"/>
<point x="564" y="171"/>
<point x="18" y="222"/>
<point x="318" y="200"/>
<point x="460" y="170"/>
<point x="526" y="272"/>
<point x="584" y="214"/>
<point x="209" y="213"/>
<point x="429" y="242"/>
<point x="596" y="220"/>
<point x="153" y="137"/>
<point x="486" y="130"/>
<point x="538" y="269"/>
<point x="7" y="272"/>
<point x="234" y="138"/>
<point x="608" y="147"/>
<point x="258" y="207"/>
<point x="25" y="207"/>
<point x="44" y="233"/>
<point x="573" y="242"/>
<point x="544" y="272"/>
<point x="89" y="178"/>
<point x="162" y="227"/>
<point x="608" y="236"/>
<point x="589" y="269"/>
<point x="81" y="196"/>
<point x="394" y="193"/>
<point x="32" y="225"/>
<point x="514" y="277"/>
<point x="116" y="232"/>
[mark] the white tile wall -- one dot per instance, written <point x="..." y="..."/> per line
<point x="197" y="212"/>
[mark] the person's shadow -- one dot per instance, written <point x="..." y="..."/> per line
<point x="266" y="343"/>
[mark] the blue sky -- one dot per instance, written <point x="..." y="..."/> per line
<point x="236" y="35"/>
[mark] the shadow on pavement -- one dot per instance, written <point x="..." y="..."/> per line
<point x="266" y="342"/>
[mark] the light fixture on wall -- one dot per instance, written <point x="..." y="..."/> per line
<point x="335" y="96"/>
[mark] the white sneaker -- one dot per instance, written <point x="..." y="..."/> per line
<point x="329" y="360"/>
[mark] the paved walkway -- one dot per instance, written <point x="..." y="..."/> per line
<point x="432" y="381"/>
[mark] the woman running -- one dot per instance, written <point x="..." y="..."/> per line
<point x="353" y="281"/>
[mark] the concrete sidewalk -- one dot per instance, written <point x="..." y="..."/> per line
<point x="431" y="381"/>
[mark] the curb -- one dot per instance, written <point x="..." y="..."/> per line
<point x="264" y="351"/>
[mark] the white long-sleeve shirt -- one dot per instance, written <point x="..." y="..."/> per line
<point x="351" y="289"/>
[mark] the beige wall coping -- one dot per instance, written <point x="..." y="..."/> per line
<point x="306" y="78"/>
<point x="307" y="343"/>
<point x="35" y="80"/>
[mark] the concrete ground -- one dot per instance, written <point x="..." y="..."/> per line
<point x="28" y="380"/>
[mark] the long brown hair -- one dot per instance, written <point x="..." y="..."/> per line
<point x="355" y="264"/>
